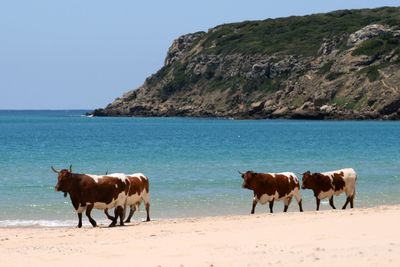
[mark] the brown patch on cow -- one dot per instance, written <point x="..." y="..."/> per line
<point x="137" y="185"/>
<point x="264" y="183"/>
<point x="317" y="182"/>
<point x="324" y="182"/>
<point x="284" y="184"/>
<point x="338" y="181"/>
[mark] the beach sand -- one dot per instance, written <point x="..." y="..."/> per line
<point x="358" y="237"/>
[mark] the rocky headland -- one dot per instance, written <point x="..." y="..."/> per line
<point x="338" y="65"/>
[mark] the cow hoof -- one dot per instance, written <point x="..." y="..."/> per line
<point x="112" y="225"/>
<point x="79" y="226"/>
<point x="148" y="220"/>
<point x="127" y="221"/>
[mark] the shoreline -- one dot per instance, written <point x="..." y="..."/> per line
<point x="138" y="218"/>
<point x="292" y="116"/>
<point x="354" y="237"/>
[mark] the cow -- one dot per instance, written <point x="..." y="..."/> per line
<point x="138" y="192"/>
<point x="333" y="183"/>
<point x="268" y="187"/>
<point x="89" y="191"/>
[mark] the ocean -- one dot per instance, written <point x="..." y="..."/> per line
<point x="192" y="163"/>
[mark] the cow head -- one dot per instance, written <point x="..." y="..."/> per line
<point x="249" y="179"/>
<point x="64" y="178"/>
<point x="308" y="180"/>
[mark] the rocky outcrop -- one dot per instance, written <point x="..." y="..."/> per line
<point x="368" y="32"/>
<point x="234" y="71"/>
<point x="180" y="47"/>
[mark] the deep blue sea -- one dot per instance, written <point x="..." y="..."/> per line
<point x="192" y="163"/>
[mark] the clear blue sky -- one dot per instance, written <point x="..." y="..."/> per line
<point x="83" y="54"/>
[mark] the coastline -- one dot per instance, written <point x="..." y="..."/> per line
<point x="357" y="237"/>
<point x="295" y="115"/>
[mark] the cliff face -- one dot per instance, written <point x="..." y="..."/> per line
<point x="339" y="65"/>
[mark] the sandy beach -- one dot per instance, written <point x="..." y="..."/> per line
<point x="358" y="237"/>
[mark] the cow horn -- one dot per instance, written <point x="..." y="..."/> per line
<point x="70" y="168"/>
<point x="54" y="170"/>
<point x="241" y="173"/>
<point x="106" y="172"/>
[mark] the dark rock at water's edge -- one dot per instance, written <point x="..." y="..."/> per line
<point x="338" y="65"/>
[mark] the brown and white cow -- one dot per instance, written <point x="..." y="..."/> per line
<point x="94" y="191"/>
<point x="268" y="187"/>
<point x="328" y="184"/>
<point x="138" y="192"/>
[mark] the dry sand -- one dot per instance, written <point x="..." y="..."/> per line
<point x="359" y="237"/>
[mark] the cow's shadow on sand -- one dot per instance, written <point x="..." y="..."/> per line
<point x="130" y="224"/>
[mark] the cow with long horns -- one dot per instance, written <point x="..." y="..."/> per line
<point x="268" y="187"/>
<point x="89" y="191"/>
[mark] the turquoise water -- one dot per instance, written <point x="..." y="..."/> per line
<point x="192" y="163"/>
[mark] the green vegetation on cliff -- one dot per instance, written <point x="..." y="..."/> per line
<point x="293" y="35"/>
<point x="342" y="64"/>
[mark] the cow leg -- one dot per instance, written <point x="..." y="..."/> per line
<point x="79" y="220"/>
<point x="300" y="205"/>
<point x="148" y="211"/>
<point x="131" y="212"/>
<point x="114" y="221"/>
<point x="287" y="203"/>
<point x="253" y="206"/>
<point x="318" y="202"/>
<point x="352" y="201"/>
<point x="88" y="210"/>
<point x="271" y="205"/>
<point x="120" y="211"/>
<point x="347" y="202"/>
<point x="331" y="203"/>
<point x="297" y="196"/>
<point x="108" y="215"/>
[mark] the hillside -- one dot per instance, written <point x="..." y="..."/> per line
<point x="338" y="65"/>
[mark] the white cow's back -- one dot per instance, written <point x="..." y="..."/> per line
<point x="349" y="177"/>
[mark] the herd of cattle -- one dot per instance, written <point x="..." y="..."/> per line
<point x="120" y="191"/>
